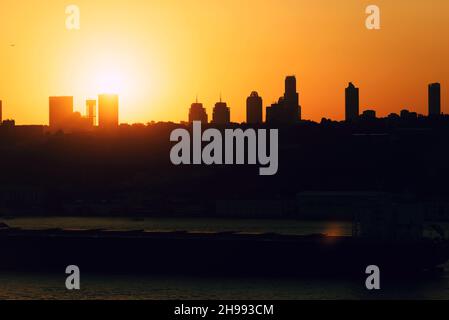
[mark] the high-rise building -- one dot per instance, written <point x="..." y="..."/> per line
<point x="291" y="98"/>
<point x="254" y="109"/>
<point x="434" y="99"/>
<point x="287" y="110"/>
<point x="63" y="118"/>
<point x="91" y="111"/>
<point x="108" y="111"/>
<point x="61" y="111"/>
<point x="197" y="113"/>
<point x="1" y="112"/>
<point x="351" y="102"/>
<point x="221" y="113"/>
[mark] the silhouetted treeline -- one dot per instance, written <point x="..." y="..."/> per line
<point x="128" y="172"/>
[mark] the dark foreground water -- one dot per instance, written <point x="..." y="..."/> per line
<point x="96" y="286"/>
<point x="43" y="286"/>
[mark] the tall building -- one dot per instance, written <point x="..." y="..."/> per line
<point x="351" y="102"/>
<point x="91" y="111"/>
<point x="434" y="99"/>
<point x="108" y="112"/>
<point x="63" y="118"/>
<point x="61" y="111"/>
<point x="287" y="110"/>
<point x="254" y="109"/>
<point x="197" y="113"/>
<point x="1" y="112"/>
<point x="291" y="98"/>
<point x="221" y="113"/>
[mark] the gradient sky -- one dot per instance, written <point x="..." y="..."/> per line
<point x="159" y="54"/>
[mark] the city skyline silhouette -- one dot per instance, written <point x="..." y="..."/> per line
<point x="226" y="149"/>
<point x="287" y="110"/>
<point x="157" y="60"/>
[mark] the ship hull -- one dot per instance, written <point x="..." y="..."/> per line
<point x="213" y="254"/>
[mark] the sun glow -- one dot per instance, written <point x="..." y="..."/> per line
<point x="111" y="77"/>
<point x="110" y="82"/>
<point x="113" y="71"/>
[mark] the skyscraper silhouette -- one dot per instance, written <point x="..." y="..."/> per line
<point x="1" y="112"/>
<point x="221" y="113"/>
<point x="254" y="108"/>
<point x="351" y="102"/>
<point x="61" y="111"/>
<point x="287" y="110"/>
<point x="63" y="118"/>
<point x="91" y="111"/>
<point x="291" y="97"/>
<point x="197" y="113"/>
<point x="434" y="99"/>
<point x="108" y="111"/>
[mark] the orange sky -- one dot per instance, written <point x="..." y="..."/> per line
<point x="159" y="54"/>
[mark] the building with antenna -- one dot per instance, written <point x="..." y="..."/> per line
<point x="221" y="113"/>
<point x="197" y="112"/>
<point x="351" y="102"/>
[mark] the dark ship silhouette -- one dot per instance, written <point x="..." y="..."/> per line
<point x="397" y="248"/>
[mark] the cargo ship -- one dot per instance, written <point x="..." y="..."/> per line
<point x="225" y="253"/>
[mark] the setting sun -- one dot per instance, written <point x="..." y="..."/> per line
<point x="110" y="82"/>
<point x="111" y="73"/>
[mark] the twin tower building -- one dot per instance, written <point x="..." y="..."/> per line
<point x="286" y="110"/>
